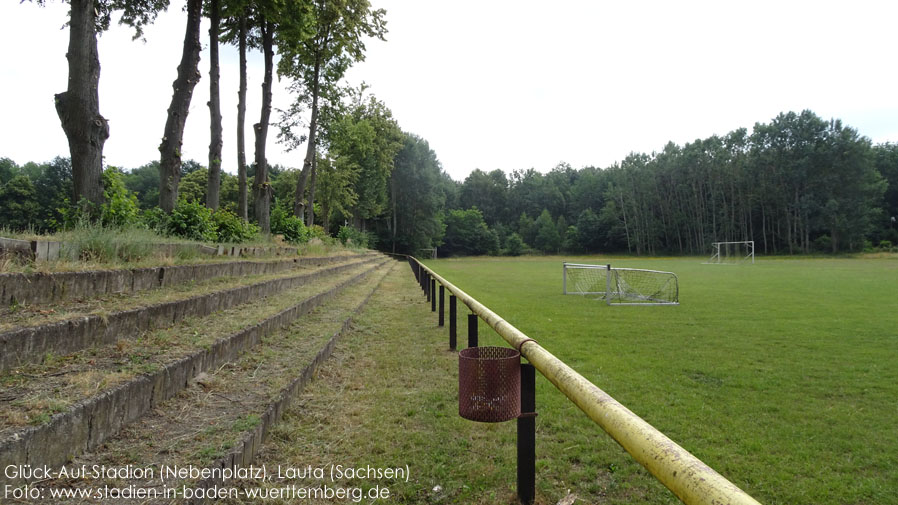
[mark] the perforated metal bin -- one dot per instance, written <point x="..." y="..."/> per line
<point x="489" y="384"/>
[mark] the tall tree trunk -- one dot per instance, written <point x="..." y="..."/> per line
<point x="313" y="177"/>
<point x="215" y="144"/>
<point x="310" y="149"/>
<point x="79" y="106"/>
<point x="188" y="76"/>
<point x="241" y="119"/>
<point x="261" y="187"/>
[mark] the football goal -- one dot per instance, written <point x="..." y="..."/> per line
<point x="731" y="253"/>
<point x="621" y="286"/>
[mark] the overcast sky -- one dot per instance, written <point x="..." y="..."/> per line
<point x="497" y="84"/>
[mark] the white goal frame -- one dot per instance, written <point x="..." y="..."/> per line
<point x="616" y="289"/>
<point x="726" y="258"/>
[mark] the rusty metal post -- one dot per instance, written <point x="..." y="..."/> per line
<point x="527" y="436"/>
<point x="453" y="309"/>
<point x="442" y="317"/>
<point x="472" y="330"/>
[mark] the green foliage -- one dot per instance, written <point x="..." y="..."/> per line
<point x="52" y="188"/>
<point x="192" y="220"/>
<point x="317" y="231"/>
<point x="418" y="197"/>
<point x="349" y="236"/>
<point x="288" y="225"/>
<point x="155" y="219"/>
<point x="547" y="238"/>
<point x="527" y="228"/>
<point x="119" y="208"/>
<point x="589" y="231"/>
<point x="514" y="245"/>
<point x="487" y="192"/>
<point x="283" y="187"/>
<point x="193" y="185"/>
<point x="228" y="194"/>
<point x="365" y="141"/>
<point x="468" y="234"/>
<point x="230" y="228"/>
<point x="8" y="170"/>
<point x="335" y="187"/>
<point x="144" y="182"/>
<point x="19" y="205"/>
<point x="571" y="240"/>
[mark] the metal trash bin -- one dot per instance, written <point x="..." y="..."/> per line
<point x="489" y="384"/>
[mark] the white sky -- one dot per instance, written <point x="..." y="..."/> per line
<point x="497" y="84"/>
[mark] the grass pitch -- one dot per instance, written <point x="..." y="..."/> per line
<point x="782" y="375"/>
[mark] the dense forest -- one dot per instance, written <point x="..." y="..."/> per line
<point x="798" y="184"/>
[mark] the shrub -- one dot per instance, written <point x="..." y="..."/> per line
<point x="120" y="207"/>
<point x="289" y="226"/>
<point x="317" y="231"/>
<point x="823" y="243"/>
<point x="155" y="219"/>
<point x="468" y="234"/>
<point x="230" y="228"/>
<point x="352" y="237"/>
<point x="192" y="220"/>
<point x="514" y="245"/>
<point x="19" y="207"/>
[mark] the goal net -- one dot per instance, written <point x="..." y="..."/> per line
<point x="621" y="286"/>
<point x="731" y="253"/>
<point x="582" y="279"/>
<point x="634" y="286"/>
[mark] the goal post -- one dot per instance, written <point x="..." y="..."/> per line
<point x="636" y="286"/>
<point x="730" y="253"/>
<point x="584" y="279"/>
<point x="621" y="286"/>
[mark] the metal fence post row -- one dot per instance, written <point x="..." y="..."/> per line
<point x="691" y="480"/>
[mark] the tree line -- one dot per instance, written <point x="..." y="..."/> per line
<point x="797" y="184"/>
<point x="317" y="41"/>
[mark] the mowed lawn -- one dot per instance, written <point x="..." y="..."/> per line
<point x="782" y="375"/>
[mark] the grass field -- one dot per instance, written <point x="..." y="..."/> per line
<point x="782" y="375"/>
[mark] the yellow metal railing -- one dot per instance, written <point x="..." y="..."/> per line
<point x="692" y="481"/>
